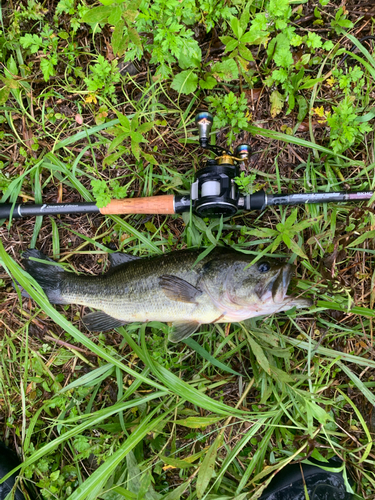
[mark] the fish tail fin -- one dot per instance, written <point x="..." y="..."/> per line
<point x="48" y="276"/>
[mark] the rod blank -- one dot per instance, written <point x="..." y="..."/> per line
<point x="21" y="210"/>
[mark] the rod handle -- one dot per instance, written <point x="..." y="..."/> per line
<point x="162" y="205"/>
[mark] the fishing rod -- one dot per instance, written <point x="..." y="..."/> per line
<point x="213" y="193"/>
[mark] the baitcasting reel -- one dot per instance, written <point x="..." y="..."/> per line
<point x="215" y="192"/>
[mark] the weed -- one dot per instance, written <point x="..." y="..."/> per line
<point x="104" y="75"/>
<point x="230" y="111"/>
<point x="124" y="414"/>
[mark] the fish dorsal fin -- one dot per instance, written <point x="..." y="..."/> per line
<point x="99" y="321"/>
<point x="182" y="330"/>
<point x="118" y="258"/>
<point x="177" y="289"/>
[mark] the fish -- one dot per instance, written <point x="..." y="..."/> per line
<point x="175" y="288"/>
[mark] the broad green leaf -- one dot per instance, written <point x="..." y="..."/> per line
<point x="206" y="470"/>
<point x="310" y="83"/>
<point x="124" y="120"/>
<point x="208" y="83"/>
<point x="135" y="38"/>
<point x="119" y="40"/>
<point x="259" y="354"/>
<point x="117" y="141"/>
<point x="230" y="44"/>
<point x="139" y="483"/>
<point x="115" y="15"/>
<point x="365" y="236"/>
<point x="149" y="158"/>
<point x="177" y="493"/>
<point x="97" y="14"/>
<point x="286" y="239"/>
<point x="245" y="17"/>
<point x="226" y="39"/>
<point x="302" y="108"/>
<point x="226" y="70"/>
<point x="297" y="249"/>
<point x="185" y="82"/>
<point x="189" y="60"/>
<point x="367" y="117"/>
<point x="277" y="103"/>
<point x="137" y="137"/>
<point x="12" y="66"/>
<point x="245" y="53"/>
<point x="145" y="127"/>
<point x="318" y="412"/>
<point x="235" y="25"/>
<point x="4" y="95"/>
<point x="198" y="422"/>
<point x="175" y="462"/>
<point x="289" y="221"/>
<point x="253" y="37"/>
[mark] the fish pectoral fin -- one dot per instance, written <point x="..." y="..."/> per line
<point x="119" y="258"/>
<point x="182" y="330"/>
<point x="176" y="288"/>
<point x="99" y="321"/>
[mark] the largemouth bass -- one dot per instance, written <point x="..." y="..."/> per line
<point x="170" y="288"/>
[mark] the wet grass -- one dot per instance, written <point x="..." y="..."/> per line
<point x="126" y="414"/>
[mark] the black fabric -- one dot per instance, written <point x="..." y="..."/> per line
<point x="8" y="461"/>
<point x="321" y="485"/>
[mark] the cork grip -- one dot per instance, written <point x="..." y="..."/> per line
<point x="152" y="205"/>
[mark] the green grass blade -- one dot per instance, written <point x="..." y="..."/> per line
<point x="177" y="385"/>
<point x="207" y="356"/>
<point x="79" y="136"/>
<point x="78" y="429"/>
<point x="100" y="476"/>
<point x="290" y="139"/>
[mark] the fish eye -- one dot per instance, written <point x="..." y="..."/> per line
<point x="263" y="267"/>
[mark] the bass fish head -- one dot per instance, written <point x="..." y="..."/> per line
<point x="257" y="290"/>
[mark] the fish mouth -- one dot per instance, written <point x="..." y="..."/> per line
<point x="281" y="282"/>
<point x="279" y="289"/>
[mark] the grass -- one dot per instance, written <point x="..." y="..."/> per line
<point x="125" y="414"/>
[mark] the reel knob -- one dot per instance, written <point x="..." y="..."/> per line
<point x="243" y="151"/>
<point x="204" y="121"/>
